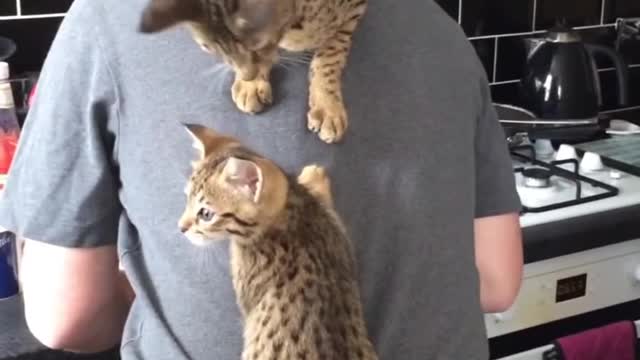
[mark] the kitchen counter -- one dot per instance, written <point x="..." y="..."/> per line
<point x="15" y="337"/>
<point x="567" y="236"/>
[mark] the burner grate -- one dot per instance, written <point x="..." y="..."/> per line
<point x="574" y="176"/>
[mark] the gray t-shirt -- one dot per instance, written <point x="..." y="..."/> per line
<point x="104" y="159"/>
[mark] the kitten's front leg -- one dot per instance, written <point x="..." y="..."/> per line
<point x="252" y="96"/>
<point x="327" y="115"/>
<point x="317" y="182"/>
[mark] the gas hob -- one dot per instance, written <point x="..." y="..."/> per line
<point x="555" y="185"/>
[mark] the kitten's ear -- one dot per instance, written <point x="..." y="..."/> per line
<point x="205" y="139"/>
<point x="162" y="14"/>
<point x="245" y="176"/>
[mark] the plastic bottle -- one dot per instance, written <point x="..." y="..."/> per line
<point x="9" y="284"/>
<point x="9" y="126"/>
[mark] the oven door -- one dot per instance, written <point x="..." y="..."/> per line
<point x="548" y="352"/>
<point x="566" y="295"/>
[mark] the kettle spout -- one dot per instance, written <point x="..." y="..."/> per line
<point x="532" y="45"/>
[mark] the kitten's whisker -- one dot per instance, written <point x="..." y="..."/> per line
<point x="297" y="57"/>
<point x="285" y="65"/>
<point x="216" y="68"/>
<point x="292" y="63"/>
<point x="296" y="60"/>
<point x="295" y="63"/>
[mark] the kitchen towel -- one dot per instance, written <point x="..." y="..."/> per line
<point x="616" y="341"/>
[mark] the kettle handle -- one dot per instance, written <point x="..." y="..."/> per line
<point x="622" y="71"/>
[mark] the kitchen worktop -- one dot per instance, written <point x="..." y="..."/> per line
<point x="567" y="236"/>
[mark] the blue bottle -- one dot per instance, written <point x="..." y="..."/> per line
<point x="8" y="266"/>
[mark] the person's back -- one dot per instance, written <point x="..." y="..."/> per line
<point x="422" y="158"/>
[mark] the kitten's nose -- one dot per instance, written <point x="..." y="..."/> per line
<point x="184" y="224"/>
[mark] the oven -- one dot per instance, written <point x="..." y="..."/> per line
<point x="581" y="227"/>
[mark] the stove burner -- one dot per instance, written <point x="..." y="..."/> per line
<point x="537" y="177"/>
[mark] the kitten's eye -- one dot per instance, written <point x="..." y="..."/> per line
<point x="205" y="214"/>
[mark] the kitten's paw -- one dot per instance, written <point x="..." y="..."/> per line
<point x="312" y="175"/>
<point x="251" y="96"/>
<point x="316" y="180"/>
<point x="328" y="118"/>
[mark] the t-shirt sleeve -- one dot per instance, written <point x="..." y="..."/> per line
<point x="495" y="185"/>
<point x="63" y="186"/>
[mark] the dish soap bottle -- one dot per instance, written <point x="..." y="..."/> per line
<point x="9" y="126"/>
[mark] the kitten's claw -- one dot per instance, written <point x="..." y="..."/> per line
<point x="316" y="180"/>
<point x="251" y="96"/>
<point x="328" y="118"/>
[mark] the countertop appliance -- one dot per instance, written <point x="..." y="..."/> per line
<point x="561" y="83"/>
<point x="579" y="216"/>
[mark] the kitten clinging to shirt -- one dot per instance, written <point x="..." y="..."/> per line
<point x="292" y="265"/>
<point x="248" y="33"/>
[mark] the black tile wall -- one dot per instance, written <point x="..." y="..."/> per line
<point x="570" y="12"/>
<point x="486" y="48"/>
<point x="510" y="48"/>
<point x="452" y="7"/>
<point x="7" y="8"/>
<point x="486" y="17"/>
<point x="496" y="28"/>
<point x="34" y="37"/>
<point x="619" y="8"/>
<point x="45" y="7"/>
<point x="32" y="24"/>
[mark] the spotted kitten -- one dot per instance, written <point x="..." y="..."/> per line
<point x="248" y="33"/>
<point x="291" y="260"/>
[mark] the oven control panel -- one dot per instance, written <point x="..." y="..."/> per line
<point x="571" y="285"/>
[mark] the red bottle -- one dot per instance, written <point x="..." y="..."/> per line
<point x="9" y="127"/>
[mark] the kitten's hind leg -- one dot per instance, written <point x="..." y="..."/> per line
<point x="316" y="180"/>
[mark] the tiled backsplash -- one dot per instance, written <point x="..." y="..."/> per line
<point x="32" y="24"/>
<point x="495" y="27"/>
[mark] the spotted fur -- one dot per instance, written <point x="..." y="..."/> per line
<point x="248" y="33"/>
<point x="291" y="260"/>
